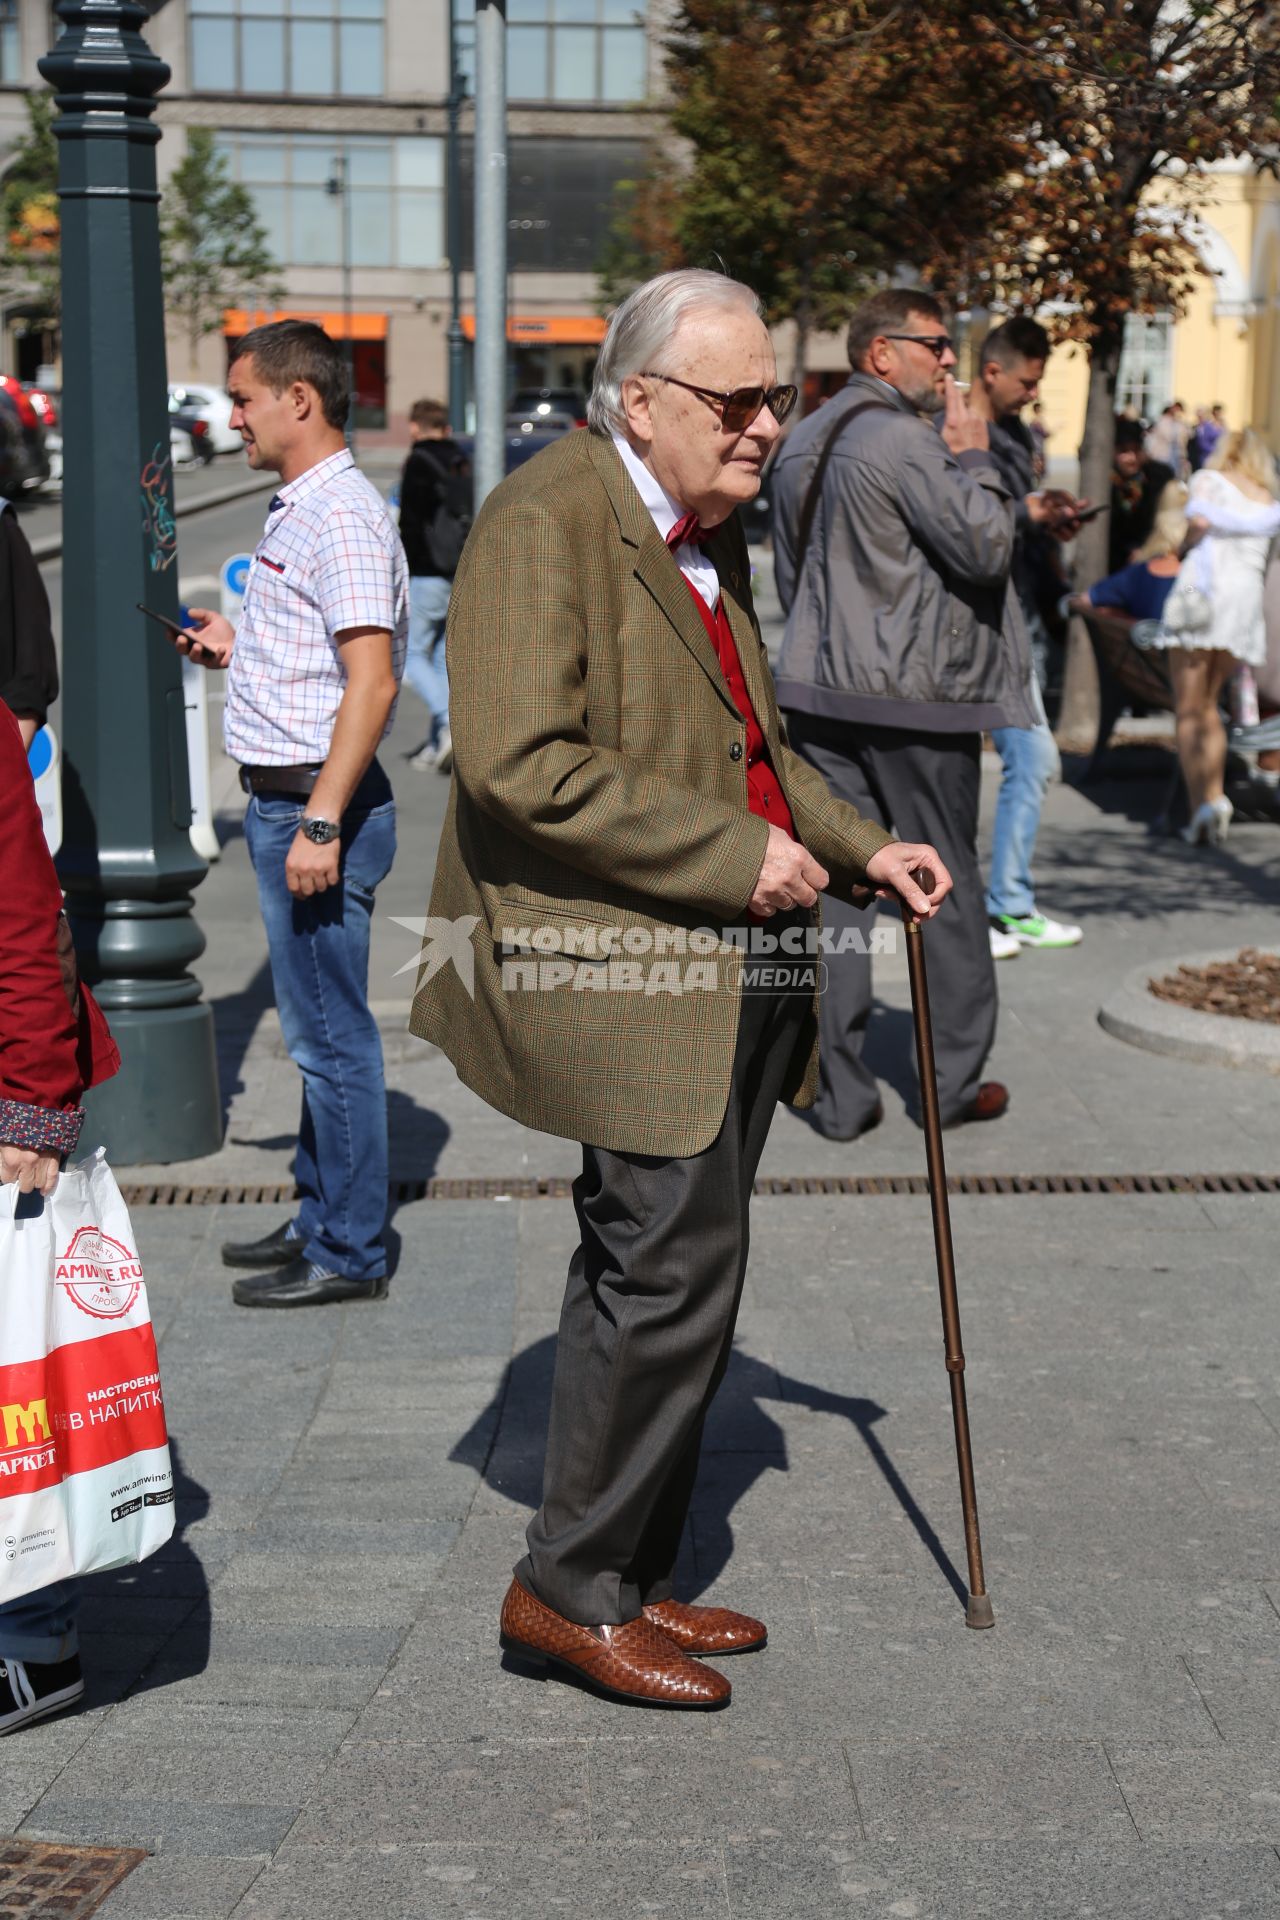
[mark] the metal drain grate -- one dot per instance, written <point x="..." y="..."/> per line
<point x="859" y="1186"/>
<point x="44" y="1882"/>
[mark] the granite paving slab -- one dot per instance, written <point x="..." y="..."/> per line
<point x="451" y="1882"/>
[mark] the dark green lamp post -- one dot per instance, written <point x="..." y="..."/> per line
<point x="126" y="863"/>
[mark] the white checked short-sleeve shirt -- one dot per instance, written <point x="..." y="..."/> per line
<point x="330" y="559"/>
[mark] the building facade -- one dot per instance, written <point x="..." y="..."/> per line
<point x="306" y="94"/>
<point x="303" y="94"/>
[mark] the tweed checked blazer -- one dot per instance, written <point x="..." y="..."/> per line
<point x="600" y="785"/>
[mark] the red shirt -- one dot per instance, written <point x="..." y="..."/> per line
<point x="764" y="790"/>
<point x="47" y="1056"/>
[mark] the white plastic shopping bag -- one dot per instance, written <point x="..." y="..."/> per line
<point x="85" y="1476"/>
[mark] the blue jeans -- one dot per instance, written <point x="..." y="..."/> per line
<point x="424" y="667"/>
<point x="41" y="1626"/>
<point x="1029" y="756"/>
<point x="320" y="969"/>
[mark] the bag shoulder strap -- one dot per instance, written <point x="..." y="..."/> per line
<point x="811" y="498"/>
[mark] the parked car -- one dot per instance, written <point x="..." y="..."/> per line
<point x="33" y="461"/>
<point x="521" y="446"/>
<point x="213" y="406"/>
<point x="543" y="423"/>
<point x="45" y="403"/>
<point x="535" y="403"/>
<point x="190" y="439"/>
<point x="11" y="455"/>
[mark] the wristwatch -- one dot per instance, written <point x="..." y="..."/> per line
<point x="320" y="831"/>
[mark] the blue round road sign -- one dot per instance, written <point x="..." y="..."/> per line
<point x="235" y="573"/>
<point x="40" y="753"/>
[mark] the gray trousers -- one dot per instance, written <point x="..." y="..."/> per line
<point x="921" y="786"/>
<point x="646" y="1332"/>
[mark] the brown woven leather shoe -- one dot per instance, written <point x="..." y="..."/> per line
<point x="715" y="1630"/>
<point x="633" y="1662"/>
<point x="990" y="1101"/>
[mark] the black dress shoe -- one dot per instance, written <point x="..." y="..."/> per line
<point x="273" y="1250"/>
<point x="303" y="1284"/>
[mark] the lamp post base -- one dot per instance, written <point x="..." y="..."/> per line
<point x="163" y="1105"/>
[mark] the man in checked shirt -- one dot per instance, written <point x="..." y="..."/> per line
<point x="314" y="670"/>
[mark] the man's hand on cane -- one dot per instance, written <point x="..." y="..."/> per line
<point x="904" y="870"/>
<point x="910" y="871"/>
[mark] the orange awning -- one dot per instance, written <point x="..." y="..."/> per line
<point x="236" y="322"/>
<point x="554" y="329"/>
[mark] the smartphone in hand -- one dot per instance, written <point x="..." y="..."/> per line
<point x="1091" y="513"/>
<point x="174" y="631"/>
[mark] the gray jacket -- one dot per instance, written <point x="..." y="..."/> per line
<point x="902" y="613"/>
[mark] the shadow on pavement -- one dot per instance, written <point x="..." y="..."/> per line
<point x="890" y="1051"/>
<point x="154" y="1616"/>
<point x="235" y="1020"/>
<point x="505" y="1445"/>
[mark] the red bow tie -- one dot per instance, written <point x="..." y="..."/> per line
<point x="688" y="528"/>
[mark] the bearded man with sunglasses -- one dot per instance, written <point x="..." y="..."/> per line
<point x="893" y="546"/>
<point x="624" y="799"/>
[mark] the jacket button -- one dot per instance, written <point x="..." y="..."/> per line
<point x="735" y="751"/>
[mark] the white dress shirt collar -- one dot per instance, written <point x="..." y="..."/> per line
<point x="664" y="512"/>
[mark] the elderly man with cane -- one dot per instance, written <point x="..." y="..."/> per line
<point x="622" y="789"/>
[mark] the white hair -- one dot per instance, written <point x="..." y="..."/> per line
<point x="643" y="328"/>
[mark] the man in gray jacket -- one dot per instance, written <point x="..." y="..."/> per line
<point x="893" y="544"/>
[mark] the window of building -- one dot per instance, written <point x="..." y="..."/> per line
<point x="397" y="196"/>
<point x="562" y="200"/>
<point x="11" y="44"/>
<point x="566" y="50"/>
<point x="1145" y="378"/>
<point x="287" y="46"/>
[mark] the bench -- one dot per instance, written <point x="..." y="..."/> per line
<point x="1127" y="676"/>
<point x="1130" y="675"/>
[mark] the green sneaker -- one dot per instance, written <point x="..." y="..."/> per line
<point x="1037" y="930"/>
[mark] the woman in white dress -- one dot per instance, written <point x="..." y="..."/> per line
<point x="1213" y="617"/>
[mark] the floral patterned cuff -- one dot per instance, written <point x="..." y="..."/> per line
<point x="43" y="1128"/>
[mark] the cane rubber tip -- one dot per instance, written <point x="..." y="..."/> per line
<point x="978" y="1613"/>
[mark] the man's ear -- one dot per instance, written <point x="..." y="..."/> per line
<point x="303" y="399"/>
<point x="635" y="407"/>
<point x="878" y="355"/>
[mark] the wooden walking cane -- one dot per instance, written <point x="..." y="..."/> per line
<point x="978" y="1611"/>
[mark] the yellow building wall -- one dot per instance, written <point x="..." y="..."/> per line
<point x="1226" y="358"/>
<point x="1213" y="353"/>
<point x="1265" y="401"/>
<point x="1063" y="392"/>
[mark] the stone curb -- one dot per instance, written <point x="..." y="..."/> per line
<point x="1210" y="1039"/>
<point x="50" y="548"/>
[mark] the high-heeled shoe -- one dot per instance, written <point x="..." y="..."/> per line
<point x="1208" y="825"/>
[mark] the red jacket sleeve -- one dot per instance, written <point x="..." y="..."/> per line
<point x="40" y="1038"/>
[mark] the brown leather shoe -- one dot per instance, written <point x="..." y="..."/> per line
<point x="707" y="1629"/>
<point x="631" y="1662"/>
<point x="990" y="1101"/>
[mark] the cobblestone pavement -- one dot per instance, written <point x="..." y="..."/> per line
<point x="300" y="1707"/>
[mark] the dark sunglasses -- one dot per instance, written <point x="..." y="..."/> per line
<point x="937" y="343"/>
<point x="738" y="409"/>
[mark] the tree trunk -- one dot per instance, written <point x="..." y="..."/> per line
<point x="804" y="327"/>
<point x="1079" y="714"/>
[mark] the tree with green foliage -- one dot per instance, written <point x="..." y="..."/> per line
<point x="1122" y="108"/>
<point x="213" y="248"/>
<point x="809" y="163"/>
<point x="1017" y="154"/>
<point x="30" y="266"/>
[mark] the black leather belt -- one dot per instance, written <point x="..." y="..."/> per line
<point x="279" y="779"/>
